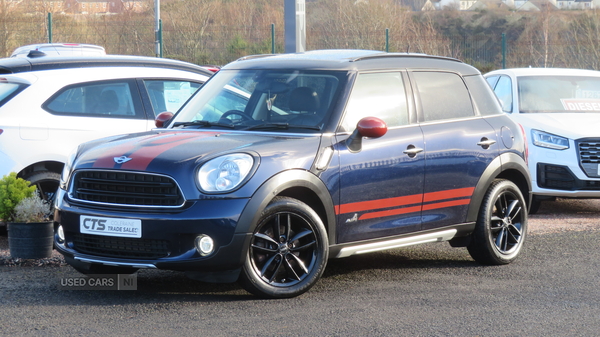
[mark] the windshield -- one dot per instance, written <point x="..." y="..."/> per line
<point x="559" y="94"/>
<point x="263" y="99"/>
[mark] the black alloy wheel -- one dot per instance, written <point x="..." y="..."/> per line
<point x="288" y="251"/>
<point x="501" y="226"/>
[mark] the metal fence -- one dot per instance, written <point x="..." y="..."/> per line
<point x="222" y="44"/>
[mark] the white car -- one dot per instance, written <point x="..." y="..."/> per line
<point x="49" y="105"/>
<point x="559" y="109"/>
<point x="58" y="49"/>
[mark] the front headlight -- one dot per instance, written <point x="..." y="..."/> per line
<point x="548" y="140"/>
<point x="225" y="173"/>
<point x="64" y="177"/>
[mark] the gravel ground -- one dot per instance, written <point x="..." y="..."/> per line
<point x="552" y="217"/>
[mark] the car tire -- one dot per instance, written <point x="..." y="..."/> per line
<point x="501" y="225"/>
<point x="288" y="251"/>
<point x="47" y="183"/>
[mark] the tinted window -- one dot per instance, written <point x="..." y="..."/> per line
<point x="485" y="100"/>
<point x="380" y="95"/>
<point x="443" y="96"/>
<point x="114" y="99"/>
<point x="170" y="95"/>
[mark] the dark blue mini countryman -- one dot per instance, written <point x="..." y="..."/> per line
<point x="281" y="162"/>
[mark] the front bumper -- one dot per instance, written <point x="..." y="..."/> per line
<point x="560" y="181"/>
<point x="167" y="239"/>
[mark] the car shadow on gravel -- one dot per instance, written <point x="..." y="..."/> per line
<point x="170" y="286"/>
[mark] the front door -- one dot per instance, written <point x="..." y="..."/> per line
<point x="380" y="186"/>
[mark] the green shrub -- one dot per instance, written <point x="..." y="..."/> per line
<point x="12" y="191"/>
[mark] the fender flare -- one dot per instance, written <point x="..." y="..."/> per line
<point x="509" y="166"/>
<point x="278" y="185"/>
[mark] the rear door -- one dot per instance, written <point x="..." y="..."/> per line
<point x="459" y="145"/>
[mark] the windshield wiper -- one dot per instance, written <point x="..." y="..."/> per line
<point x="284" y="126"/>
<point x="203" y="123"/>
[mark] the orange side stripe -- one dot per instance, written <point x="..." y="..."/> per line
<point x="405" y="200"/>
<point x="446" y="204"/>
<point x="449" y="194"/>
<point x="381" y="203"/>
<point x="396" y="211"/>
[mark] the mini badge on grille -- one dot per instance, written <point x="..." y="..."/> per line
<point x="121" y="159"/>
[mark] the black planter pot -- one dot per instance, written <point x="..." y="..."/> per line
<point x="33" y="240"/>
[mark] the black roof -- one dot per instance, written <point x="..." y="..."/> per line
<point x="24" y="64"/>
<point x="342" y="59"/>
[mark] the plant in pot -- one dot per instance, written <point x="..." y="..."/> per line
<point x="30" y="232"/>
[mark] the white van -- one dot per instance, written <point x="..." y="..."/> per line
<point x="58" y="49"/>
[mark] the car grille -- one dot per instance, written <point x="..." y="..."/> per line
<point x="589" y="156"/>
<point x="126" y="188"/>
<point x="120" y="247"/>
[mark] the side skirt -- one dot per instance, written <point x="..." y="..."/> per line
<point x="363" y="247"/>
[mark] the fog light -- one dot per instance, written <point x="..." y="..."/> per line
<point x="204" y="244"/>
<point x="61" y="234"/>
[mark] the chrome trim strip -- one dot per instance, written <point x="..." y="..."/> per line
<point x="117" y="264"/>
<point x="397" y="243"/>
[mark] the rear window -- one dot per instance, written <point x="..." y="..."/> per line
<point x="9" y="90"/>
<point x="110" y="99"/>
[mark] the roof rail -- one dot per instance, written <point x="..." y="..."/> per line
<point x="390" y="55"/>
<point x="252" y="57"/>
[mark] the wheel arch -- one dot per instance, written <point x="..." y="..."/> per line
<point x="298" y="184"/>
<point x="47" y="165"/>
<point x="509" y="166"/>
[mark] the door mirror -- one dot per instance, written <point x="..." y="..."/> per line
<point x="162" y="119"/>
<point x="371" y="127"/>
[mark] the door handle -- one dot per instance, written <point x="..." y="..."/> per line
<point x="486" y="143"/>
<point x="412" y="150"/>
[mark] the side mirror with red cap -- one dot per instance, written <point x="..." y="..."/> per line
<point x="162" y="119"/>
<point x="370" y="127"/>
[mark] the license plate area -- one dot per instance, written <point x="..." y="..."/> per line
<point x="129" y="228"/>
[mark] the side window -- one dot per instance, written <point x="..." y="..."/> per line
<point x="443" y="96"/>
<point x="169" y="95"/>
<point x="111" y="99"/>
<point x="485" y="101"/>
<point x="8" y="90"/>
<point x="380" y="95"/>
<point x="492" y="81"/>
<point x="503" y="91"/>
